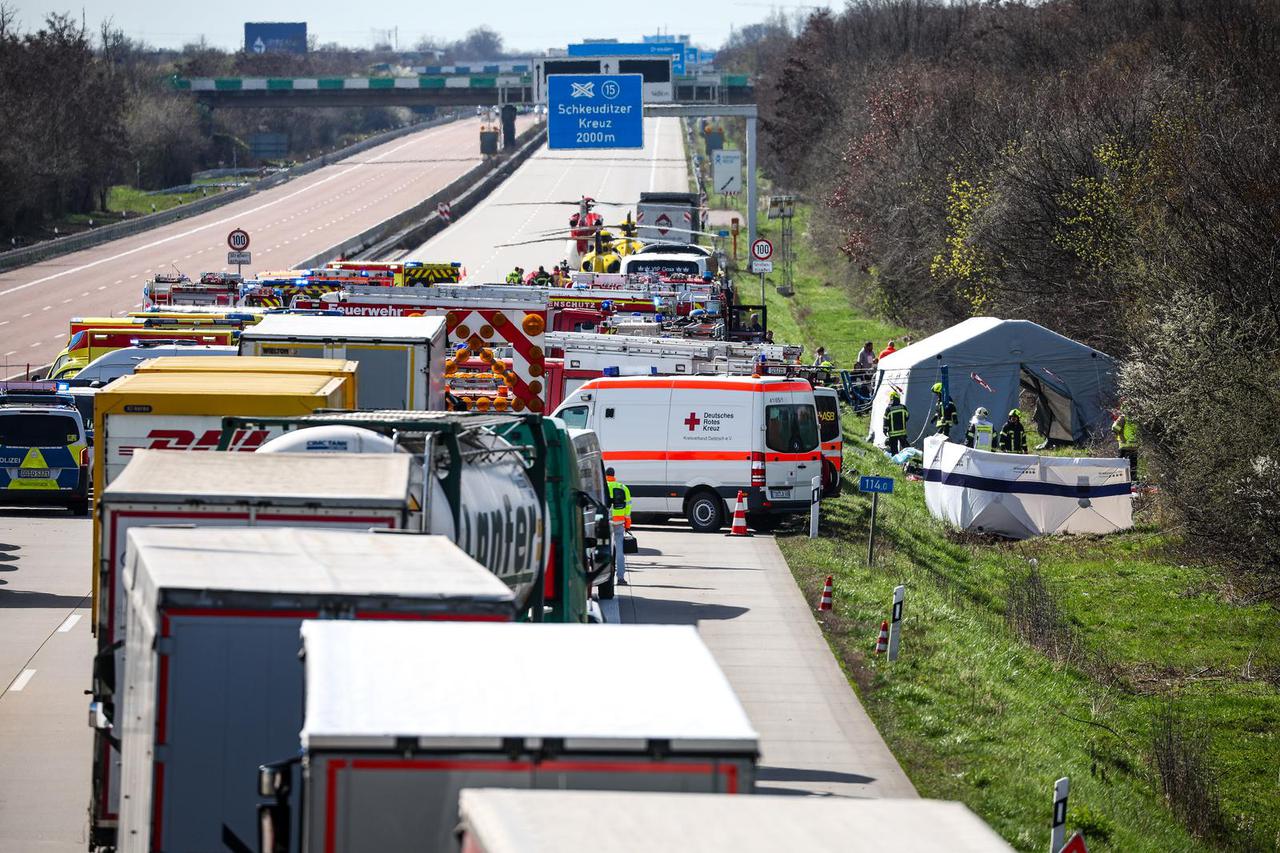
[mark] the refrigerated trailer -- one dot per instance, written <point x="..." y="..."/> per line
<point x="446" y="707"/>
<point x="213" y="682"/>
<point x="401" y="358"/>
<point x="169" y="487"/>
<point x="509" y="821"/>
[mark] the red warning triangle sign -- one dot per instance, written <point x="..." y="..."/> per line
<point x="1075" y="844"/>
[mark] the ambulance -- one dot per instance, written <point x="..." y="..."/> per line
<point x="686" y="445"/>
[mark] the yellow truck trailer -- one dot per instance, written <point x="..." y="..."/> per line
<point x="246" y="364"/>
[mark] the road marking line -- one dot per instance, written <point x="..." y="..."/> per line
<point x="26" y="315"/>
<point x="65" y="301"/>
<point x="86" y="293"/>
<point x="117" y="281"/>
<point x="225" y="220"/>
<point x="46" y="308"/>
<point x="69" y="624"/>
<point x="36" y="344"/>
<point x="11" y="352"/>
<point x="22" y="680"/>
<point x="4" y="322"/>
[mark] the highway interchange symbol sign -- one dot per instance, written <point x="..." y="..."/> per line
<point x="595" y="111"/>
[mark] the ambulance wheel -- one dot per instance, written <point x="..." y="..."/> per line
<point x="605" y="590"/>
<point x="830" y="479"/>
<point x="705" y="511"/>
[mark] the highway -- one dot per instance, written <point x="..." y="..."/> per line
<point x="815" y="736"/>
<point x="287" y="224"/>
<point x="517" y="211"/>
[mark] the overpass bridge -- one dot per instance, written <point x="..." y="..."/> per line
<point x="438" y="90"/>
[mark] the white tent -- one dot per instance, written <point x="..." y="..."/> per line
<point x="988" y="362"/>
<point x="1022" y="496"/>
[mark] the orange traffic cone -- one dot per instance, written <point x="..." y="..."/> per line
<point x="882" y="642"/>
<point x="739" y="527"/>
<point x="824" y="603"/>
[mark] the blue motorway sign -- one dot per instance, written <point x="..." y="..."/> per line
<point x="595" y="111"/>
<point x="275" y="37"/>
<point x="883" y="485"/>
<point x="674" y="49"/>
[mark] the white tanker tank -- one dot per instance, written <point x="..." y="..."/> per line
<point x="501" y="522"/>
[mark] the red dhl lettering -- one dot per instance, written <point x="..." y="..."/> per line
<point x="185" y="439"/>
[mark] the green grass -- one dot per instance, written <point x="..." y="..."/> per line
<point x="976" y="714"/>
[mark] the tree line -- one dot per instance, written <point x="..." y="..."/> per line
<point x="1107" y="168"/>
<point x="85" y="111"/>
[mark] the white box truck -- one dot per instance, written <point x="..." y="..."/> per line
<point x="401" y="358"/>
<point x="171" y="487"/>
<point x="686" y="445"/>
<point x="401" y="717"/>
<point x="213" y="683"/>
<point x="508" y="821"/>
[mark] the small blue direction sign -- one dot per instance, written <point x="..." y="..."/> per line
<point x="595" y="111"/>
<point x="880" y="485"/>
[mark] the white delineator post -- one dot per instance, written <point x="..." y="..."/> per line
<point x="815" y="494"/>
<point x="1057" y="835"/>
<point x="895" y="621"/>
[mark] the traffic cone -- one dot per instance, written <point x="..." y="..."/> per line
<point x="882" y="642"/>
<point x="824" y="603"/>
<point x="739" y="527"/>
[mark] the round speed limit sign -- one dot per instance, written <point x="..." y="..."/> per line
<point x="238" y="240"/>
<point x="762" y="249"/>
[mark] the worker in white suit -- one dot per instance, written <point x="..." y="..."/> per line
<point x="980" y="430"/>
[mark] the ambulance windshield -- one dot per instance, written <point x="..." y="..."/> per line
<point x="791" y="428"/>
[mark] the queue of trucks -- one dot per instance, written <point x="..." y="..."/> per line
<point x="352" y="529"/>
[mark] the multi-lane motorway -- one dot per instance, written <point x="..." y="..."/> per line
<point x="518" y="211"/>
<point x="288" y="223"/>
<point x="815" y="736"/>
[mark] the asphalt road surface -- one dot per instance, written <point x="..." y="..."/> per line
<point x="45" y="662"/>
<point x="518" y="210"/>
<point x="286" y="224"/>
<point x="815" y="737"/>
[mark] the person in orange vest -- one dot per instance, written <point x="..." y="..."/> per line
<point x="622" y="513"/>
<point x="619" y="493"/>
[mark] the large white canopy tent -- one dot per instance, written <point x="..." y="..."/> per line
<point x="988" y="362"/>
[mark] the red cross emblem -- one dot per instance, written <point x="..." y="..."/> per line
<point x="692" y="421"/>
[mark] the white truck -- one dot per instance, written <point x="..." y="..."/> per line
<point x="401" y="358"/>
<point x="687" y="445"/>
<point x="494" y="820"/>
<point x="669" y="217"/>
<point x="213" y="684"/>
<point x="169" y="487"/>
<point x="383" y="773"/>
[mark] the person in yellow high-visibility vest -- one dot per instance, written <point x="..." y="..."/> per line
<point x="622" y="513"/>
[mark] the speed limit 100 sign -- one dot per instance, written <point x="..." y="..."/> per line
<point x="762" y="249"/>
<point x="238" y="240"/>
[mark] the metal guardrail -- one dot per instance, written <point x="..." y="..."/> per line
<point x="76" y="242"/>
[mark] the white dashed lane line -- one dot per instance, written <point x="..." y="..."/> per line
<point x="69" y="624"/>
<point x="22" y="680"/>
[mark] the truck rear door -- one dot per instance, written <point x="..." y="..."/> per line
<point x="828" y="405"/>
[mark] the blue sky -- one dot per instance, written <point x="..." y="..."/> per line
<point x="523" y="24"/>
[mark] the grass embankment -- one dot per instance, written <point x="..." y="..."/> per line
<point x="1009" y="679"/>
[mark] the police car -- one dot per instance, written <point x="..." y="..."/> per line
<point x="44" y="448"/>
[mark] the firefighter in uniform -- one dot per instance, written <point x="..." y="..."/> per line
<point x="1126" y="433"/>
<point x="621" y="520"/>
<point x="944" y="412"/>
<point x="978" y="435"/>
<point x="1013" y="438"/>
<point x="895" y="424"/>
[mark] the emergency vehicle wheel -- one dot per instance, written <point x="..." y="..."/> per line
<point x="830" y="479"/>
<point x="705" y="511"/>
